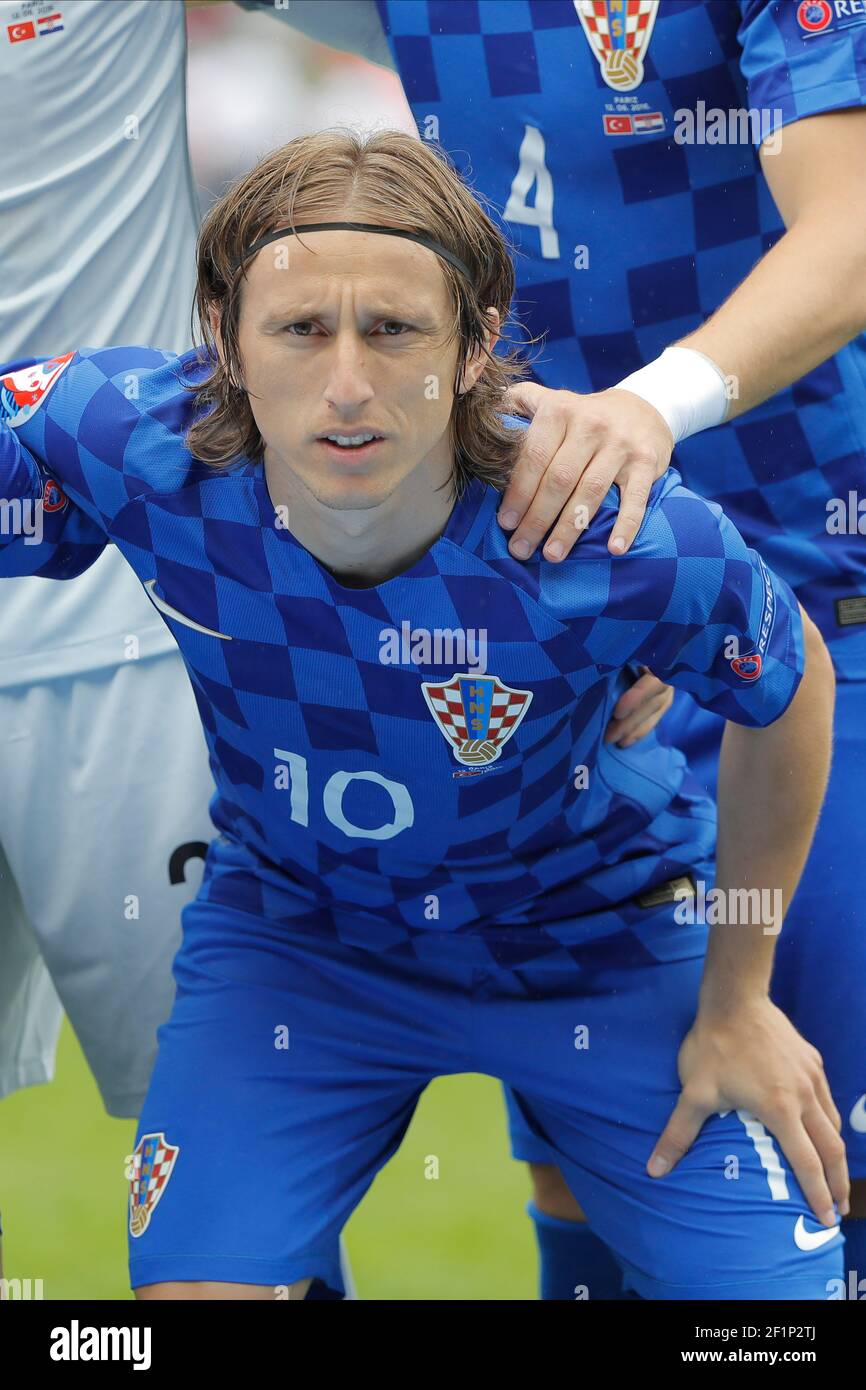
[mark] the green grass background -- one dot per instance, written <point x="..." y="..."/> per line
<point x="464" y="1235"/>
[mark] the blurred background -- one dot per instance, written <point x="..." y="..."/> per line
<point x="254" y="84"/>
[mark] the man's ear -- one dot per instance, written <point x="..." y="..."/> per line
<point x="476" y="361"/>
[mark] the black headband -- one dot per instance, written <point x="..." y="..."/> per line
<point x="359" y="227"/>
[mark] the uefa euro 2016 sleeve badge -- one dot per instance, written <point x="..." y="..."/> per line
<point x="477" y="715"/>
<point x="22" y="391"/>
<point x="148" y="1171"/>
<point x="618" y="32"/>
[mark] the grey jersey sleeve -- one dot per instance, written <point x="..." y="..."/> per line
<point x="351" y="25"/>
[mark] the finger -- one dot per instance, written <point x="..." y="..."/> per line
<point x="634" y="735"/>
<point x="591" y="485"/>
<point x="647" y="687"/>
<point x="806" y="1162"/>
<point x="831" y="1151"/>
<point x="551" y="507"/>
<point x="645" y="718"/>
<point x="678" y="1135"/>
<point x="825" y="1099"/>
<point x="635" y="482"/>
<point x="540" y="443"/>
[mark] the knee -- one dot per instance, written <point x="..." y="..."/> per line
<point x="551" y="1193"/>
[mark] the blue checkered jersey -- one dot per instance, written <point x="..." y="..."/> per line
<point x="593" y="128"/>
<point x="426" y="754"/>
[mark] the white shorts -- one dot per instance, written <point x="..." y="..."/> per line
<point x="104" y="792"/>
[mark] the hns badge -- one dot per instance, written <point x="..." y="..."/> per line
<point x="618" y="32"/>
<point x="148" y="1171"/>
<point x="477" y="715"/>
<point x="23" y="391"/>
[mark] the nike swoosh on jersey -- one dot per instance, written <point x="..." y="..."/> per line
<point x="811" y="1240"/>
<point x="166" y="608"/>
<point x="857" y="1118"/>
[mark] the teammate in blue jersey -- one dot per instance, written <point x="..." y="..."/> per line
<point x="430" y="863"/>
<point x="691" y="174"/>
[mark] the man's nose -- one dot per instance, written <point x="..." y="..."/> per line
<point x="349" y="384"/>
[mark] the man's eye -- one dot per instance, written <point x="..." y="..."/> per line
<point x="390" y="324"/>
<point x="303" y="325"/>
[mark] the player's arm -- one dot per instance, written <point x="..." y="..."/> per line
<point x="42" y="531"/>
<point x="807" y="297"/>
<point x="50" y="522"/>
<point x="742" y="1052"/>
<point x="802" y="301"/>
<point x="731" y="633"/>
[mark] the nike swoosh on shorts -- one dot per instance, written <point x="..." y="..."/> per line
<point x="811" y="1240"/>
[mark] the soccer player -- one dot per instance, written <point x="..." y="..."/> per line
<point x="427" y="863"/>
<point x="617" y="141"/>
<point x="93" y="108"/>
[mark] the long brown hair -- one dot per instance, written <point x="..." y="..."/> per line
<point x="390" y="179"/>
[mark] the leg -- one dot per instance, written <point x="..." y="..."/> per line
<point x="196" y="1290"/>
<point x="551" y="1193"/>
<point x="107" y="915"/>
<point x="821" y="955"/>
<point x="266" y="1120"/>
<point x="729" y="1221"/>
<point x="571" y="1256"/>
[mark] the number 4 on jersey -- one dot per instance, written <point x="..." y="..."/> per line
<point x="533" y="170"/>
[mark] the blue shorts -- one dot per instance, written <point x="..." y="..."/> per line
<point x="820" y="972"/>
<point x="292" y="1063"/>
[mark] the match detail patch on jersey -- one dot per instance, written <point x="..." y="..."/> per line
<point x="618" y="32"/>
<point x="23" y="391"/>
<point x="477" y="714"/>
<point x="148" y="1170"/>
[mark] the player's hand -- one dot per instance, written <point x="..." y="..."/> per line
<point x="754" y="1059"/>
<point x="638" y="710"/>
<point x="574" y="449"/>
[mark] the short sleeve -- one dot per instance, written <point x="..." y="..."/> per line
<point x="42" y="532"/>
<point x="803" y="59"/>
<point x="704" y="612"/>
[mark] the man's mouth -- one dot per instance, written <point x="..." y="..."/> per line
<point x="351" y="446"/>
<point x="351" y="441"/>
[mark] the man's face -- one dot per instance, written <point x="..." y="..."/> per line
<point x="348" y="338"/>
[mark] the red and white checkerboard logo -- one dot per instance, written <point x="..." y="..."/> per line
<point x="477" y="714"/>
<point x="618" y="32"/>
<point x="148" y="1170"/>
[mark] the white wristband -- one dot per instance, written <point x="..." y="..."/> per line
<point x="685" y="387"/>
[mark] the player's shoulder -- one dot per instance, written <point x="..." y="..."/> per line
<point x="123" y="406"/>
<point x="680" y="532"/>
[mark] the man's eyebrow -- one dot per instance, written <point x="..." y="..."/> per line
<point x="298" y="313"/>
